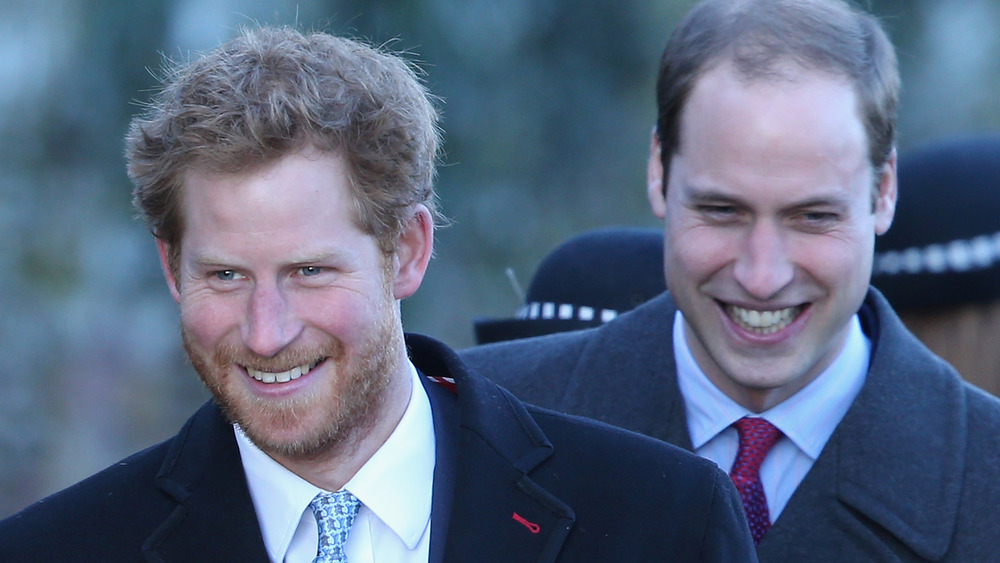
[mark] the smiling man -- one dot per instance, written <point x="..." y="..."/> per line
<point x="773" y="167"/>
<point x="288" y="181"/>
<point x="771" y="218"/>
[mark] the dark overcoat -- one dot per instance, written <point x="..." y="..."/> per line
<point x="511" y="483"/>
<point x="911" y="473"/>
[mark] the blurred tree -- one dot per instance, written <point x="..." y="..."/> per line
<point x="548" y="108"/>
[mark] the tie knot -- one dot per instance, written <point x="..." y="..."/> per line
<point x="334" y="514"/>
<point x="757" y="437"/>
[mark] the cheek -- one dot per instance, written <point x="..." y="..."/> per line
<point x="698" y="252"/>
<point x="345" y="315"/>
<point x="836" y="262"/>
<point x="207" y="321"/>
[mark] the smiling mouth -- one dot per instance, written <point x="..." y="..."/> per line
<point x="763" y="322"/>
<point x="284" y="376"/>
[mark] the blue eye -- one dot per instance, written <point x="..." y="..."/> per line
<point x="818" y="221"/>
<point x="226" y="275"/>
<point x="720" y="210"/>
<point x="721" y="213"/>
<point x="310" y="270"/>
<point x="818" y="217"/>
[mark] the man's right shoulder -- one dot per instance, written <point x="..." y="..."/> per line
<point x="676" y="501"/>
<point x="538" y="369"/>
<point x="529" y="366"/>
<point x="537" y="350"/>
<point x="123" y="495"/>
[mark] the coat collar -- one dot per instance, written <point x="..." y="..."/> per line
<point x="497" y="507"/>
<point x="630" y="361"/>
<point x="899" y="456"/>
<point x="215" y="518"/>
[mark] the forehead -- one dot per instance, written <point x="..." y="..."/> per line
<point x="800" y="126"/>
<point x="304" y="196"/>
<point x="308" y="182"/>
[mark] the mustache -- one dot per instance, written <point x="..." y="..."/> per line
<point x="229" y="354"/>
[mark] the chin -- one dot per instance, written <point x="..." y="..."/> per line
<point x="311" y="431"/>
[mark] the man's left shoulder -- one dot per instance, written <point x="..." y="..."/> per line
<point x="606" y="452"/>
<point x="567" y="430"/>
<point x="622" y="484"/>
<point x="982" y="415"/>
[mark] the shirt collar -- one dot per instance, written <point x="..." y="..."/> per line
<point x="808" y="421"/>
<point x="397" y="481"/>
<point x="395" y="484"/>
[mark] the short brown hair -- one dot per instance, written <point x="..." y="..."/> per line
<point x="272" y="91"/>
<point x="759" y="36"/>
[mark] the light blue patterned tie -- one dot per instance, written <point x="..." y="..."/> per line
<point x="334" y="514"/>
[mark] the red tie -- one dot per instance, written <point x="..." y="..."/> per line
<point x="757" y="436"/>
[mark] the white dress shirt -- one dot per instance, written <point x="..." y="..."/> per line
<point x="807" y="419"/>
<point x="394" y="487"/>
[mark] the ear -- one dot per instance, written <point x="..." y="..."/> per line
<point x="655" y="187"/>
<point x="413" y="253"/>
<point x="164" y="251"/>
<point x="885" y="203"/>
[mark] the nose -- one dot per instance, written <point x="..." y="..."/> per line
<point x="764" y="266"/>
<point x="271" y="323"/>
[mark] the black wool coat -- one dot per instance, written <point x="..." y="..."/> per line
<point x="512" y="483"/>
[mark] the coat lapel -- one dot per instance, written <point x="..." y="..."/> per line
<point x="445" y="415"/>
<point x="631" y="362"/>
<point x="895" y="460"/>
<point x="215" y="518"/>
<point x="497" y="512"/>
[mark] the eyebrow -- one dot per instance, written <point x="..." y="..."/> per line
<point x="700" y="195"/>
<point x="697" y="195"/>
<point x="202" y="258"/>
<point x="709" y="194"/>
<point x="834" y="202"/>
<point x="206" y="259"/>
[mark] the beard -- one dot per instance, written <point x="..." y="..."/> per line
<point x="332" y="416"/>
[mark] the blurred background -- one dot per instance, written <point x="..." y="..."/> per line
<point x="548" y="108"/>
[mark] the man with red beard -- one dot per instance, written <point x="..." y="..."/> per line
<point x="287" y="179"/>
<point x="773" y="166"/>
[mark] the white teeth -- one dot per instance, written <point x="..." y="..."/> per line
<point x="762" y="322"/>
<point x="282" y="377"/>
